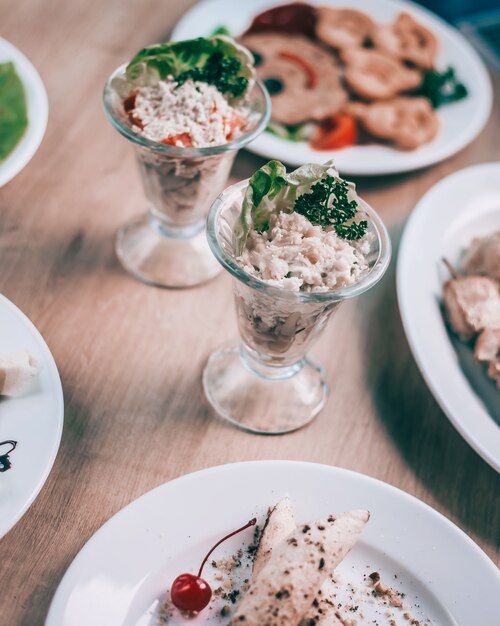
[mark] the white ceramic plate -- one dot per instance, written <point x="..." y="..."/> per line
<point x="35" y="421"/>
<point x="460" y="207"/>
<point x="126" y="566"/>
<point x="38" y="108"/>
<point x="461" y="122"/>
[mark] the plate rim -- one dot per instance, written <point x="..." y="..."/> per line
<point x="401" y="294"/>
<point x="60" y="597"/>
<point x="440" y="154"/>
<point x="25" y="150"/>
<point x="50" y="364"/>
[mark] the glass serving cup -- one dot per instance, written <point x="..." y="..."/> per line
<point x="167" y="246"/>
<point x="266" y="384"/>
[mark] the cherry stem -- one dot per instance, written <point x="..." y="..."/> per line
<point x="252" y="522"/>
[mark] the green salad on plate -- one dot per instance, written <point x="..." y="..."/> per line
<point x="13" y="109"/>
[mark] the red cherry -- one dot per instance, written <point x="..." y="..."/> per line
<point x="191" y="593"/>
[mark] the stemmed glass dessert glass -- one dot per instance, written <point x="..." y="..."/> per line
<point x="167" y="246"/>
<point x="266" y="383"/>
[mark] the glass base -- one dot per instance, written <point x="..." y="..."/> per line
<point x="271" y="401"/>
<point x="166" y="258"/>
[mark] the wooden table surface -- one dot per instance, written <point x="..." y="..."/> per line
<point x="130" y="356"/>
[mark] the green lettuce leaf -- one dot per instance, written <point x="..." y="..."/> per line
<point x="272" y="190"/>
<point x="217" y="60"/>
<point x="13" y="109"/>
<point x="266" y="190"/>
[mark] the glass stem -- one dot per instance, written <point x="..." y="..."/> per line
<point x="262" y="369"/>
<point x="167" y="229"/>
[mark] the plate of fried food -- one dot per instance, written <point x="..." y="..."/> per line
<point x="448" y="284"/>
<point x="322" y="546"/>
<point x="381" y="86"/>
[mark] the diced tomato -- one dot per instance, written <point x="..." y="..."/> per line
<point x="129" y="106"/>
<point x="312" y="77"/>
<point x="129" y="102"/>
<point x="235" y="123"/>
<point x="135" y="121"/>
<point x="183" y="138"/>
<point x="338" y="131"/>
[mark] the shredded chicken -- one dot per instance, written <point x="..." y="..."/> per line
<point x="299" y="256"/>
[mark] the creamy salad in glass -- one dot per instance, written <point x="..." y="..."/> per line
<point x="301" y="231"/>
<point x="187" y="107"/>
<point x="298" y="244"/>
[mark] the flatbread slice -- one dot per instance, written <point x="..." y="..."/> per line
<point x="323" y="611"/>
<point x="282" y="592"/>
<point x="279" y="524"/>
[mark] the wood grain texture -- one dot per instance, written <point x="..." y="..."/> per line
<point x="130" y="356"/>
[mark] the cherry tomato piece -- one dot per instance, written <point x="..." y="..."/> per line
<point x="184" y="138"/>
<point x="338" y="131"/>
<point x="237" y="122"/>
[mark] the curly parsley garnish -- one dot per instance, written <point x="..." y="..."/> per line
<point x="328" y="204"/>
<point x="353" y="231"/>
<point x="221" y="72"/>
<point x="442" y="87"/>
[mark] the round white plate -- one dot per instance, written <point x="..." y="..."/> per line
<point x="461" y="122"/>
<point x="128" y="564"/>
<point x="35" y="420"/>
<point x="460" y="207"/>
<point x="36" y="99"/>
